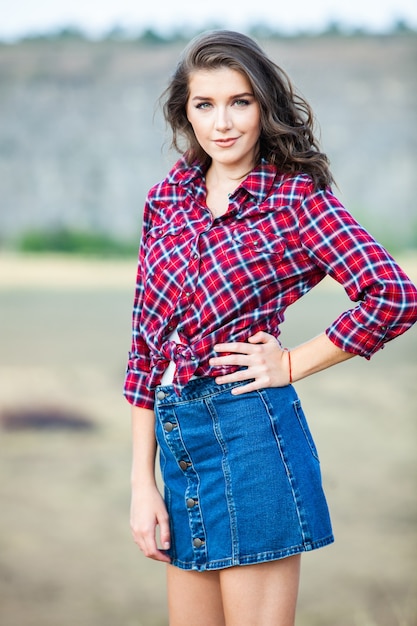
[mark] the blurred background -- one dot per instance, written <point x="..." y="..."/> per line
<point x="81" y="142"/>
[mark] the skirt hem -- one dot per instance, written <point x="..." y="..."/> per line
<point x="252" y="559"/>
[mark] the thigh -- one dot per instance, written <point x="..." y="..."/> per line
<point x="194" y="598"/>
<point x="263" y="594"/>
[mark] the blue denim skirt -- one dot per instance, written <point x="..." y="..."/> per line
<point x="241" y="475"/>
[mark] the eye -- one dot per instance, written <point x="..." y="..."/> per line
<point x="241" y="102"/>
<point x="203" y="105"/>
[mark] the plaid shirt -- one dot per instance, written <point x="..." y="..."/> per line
<point x="221" y="280"/>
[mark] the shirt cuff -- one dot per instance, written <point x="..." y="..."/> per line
<point x="136" y="391"/>
<point x="356" y="339"/>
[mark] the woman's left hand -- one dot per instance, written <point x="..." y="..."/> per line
<point x="266" y="363"/>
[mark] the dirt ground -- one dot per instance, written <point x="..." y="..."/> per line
<point x="66" y="555"/>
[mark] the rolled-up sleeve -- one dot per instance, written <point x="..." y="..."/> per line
<point x="138" y="366"/>
<point x="135" y="386"/>
<point x="343" y="249"/>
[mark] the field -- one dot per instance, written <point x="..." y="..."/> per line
<point x="66" y="554"/>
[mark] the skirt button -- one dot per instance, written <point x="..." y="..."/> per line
<point x="183" y="465"/>
<point x="197" y="543"/>
<point x="191" y="502"/>
<point x="161" y="395"/>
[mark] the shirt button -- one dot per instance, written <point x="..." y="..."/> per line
<point x="169" y="426"/>
<point x="197" y="542"/>
<point x="161" y="395"/>
<point x="191" y="502"/>
<point x="193" y="358"/>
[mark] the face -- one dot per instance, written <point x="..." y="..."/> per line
<point x="225" y="117"/>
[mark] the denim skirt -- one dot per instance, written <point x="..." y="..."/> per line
<point x="241" y="475"/>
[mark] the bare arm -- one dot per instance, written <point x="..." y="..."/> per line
<point x="268" y="364"/>
<point x="316" y="355"/>
<point x="147" y="506"/>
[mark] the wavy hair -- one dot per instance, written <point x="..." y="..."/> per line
<point x="287" y="121"/>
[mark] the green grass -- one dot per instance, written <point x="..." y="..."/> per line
<point x="69" y="241"/>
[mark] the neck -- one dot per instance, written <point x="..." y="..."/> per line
<point x="224" y="179"/>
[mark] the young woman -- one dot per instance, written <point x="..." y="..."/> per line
<point x="244" y="224"/>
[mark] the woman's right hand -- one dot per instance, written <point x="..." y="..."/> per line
<point x="147" y="512"/>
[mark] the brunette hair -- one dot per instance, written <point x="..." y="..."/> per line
<point x="287" y="121"/>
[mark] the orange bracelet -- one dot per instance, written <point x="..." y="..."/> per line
<point x="289" y="364"/>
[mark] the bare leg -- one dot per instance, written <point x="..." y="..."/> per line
<point x="194" y="598"/>
<point x="264" y="594"/>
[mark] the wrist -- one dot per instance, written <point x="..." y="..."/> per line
<point x="314" y="356"/>
<point x="142" y="480"/>
<point x="289" y="365"/>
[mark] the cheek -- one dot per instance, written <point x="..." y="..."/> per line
<point x="257" y="126"/>
<point x="255" y="132"/>
<point x="191" y="117"/>
<point x="199" y="128"/>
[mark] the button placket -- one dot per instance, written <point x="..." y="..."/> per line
<point x="172" y="435"/>
<point x="194" y="517"/>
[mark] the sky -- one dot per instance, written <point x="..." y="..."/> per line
<point x="96" y="17"/>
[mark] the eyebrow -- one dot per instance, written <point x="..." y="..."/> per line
<point x="234" y="97"/>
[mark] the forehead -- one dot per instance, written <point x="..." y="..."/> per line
<point x="220" y="80"/>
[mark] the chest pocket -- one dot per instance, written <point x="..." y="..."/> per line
<point x="258" y="242"/>
<point x="166" y="252"/>
<point x="165" y="229"/>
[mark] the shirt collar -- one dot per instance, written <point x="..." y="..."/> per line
<point x="182" y="174"/>
<point x="258" y="183"/>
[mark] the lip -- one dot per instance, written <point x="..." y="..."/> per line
<point x="225" y="143"/>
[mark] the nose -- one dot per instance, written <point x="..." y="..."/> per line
<point x="223" y="120"/>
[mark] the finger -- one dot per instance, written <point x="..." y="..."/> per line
<point x="260" y="337"/>
<point x="162" y="555"/>
<point x="165" y="533"/>
<point x="159" y="555"/>
<point x="240" y="360"/>
<point x="252" y="386"/>
<point x="145" y="539"/>
<point x="234" y="377"/>
<point x="238" y="347"/>
<point x="140" y="537"/>
<point x="154" y="552"/>
<point x="151" y="550"/>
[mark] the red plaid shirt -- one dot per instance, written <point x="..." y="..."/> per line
<point x="220" y="280"/>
